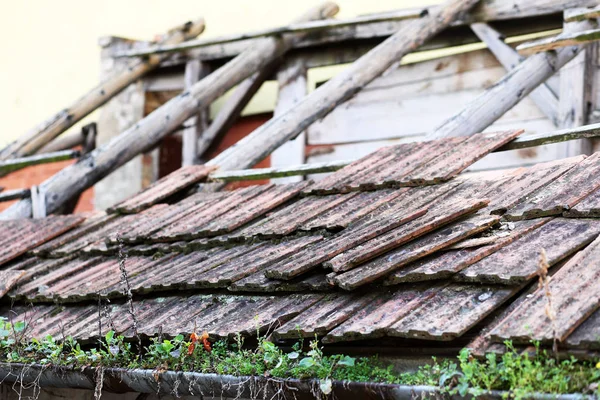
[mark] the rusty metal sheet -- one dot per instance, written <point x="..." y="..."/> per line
<point x="325" y="315"/>
<point x="450" y="312"/>
<point x="518" y="261"/>
<point x="90" y="224"/>
<point x="448" y="263"/>
<point x="561" y="194"/>
<point x="527" y="180"/>
<point x="589" y="207"/>
<point x="311" y="257"/>
<point x="254" y="261"/>
<point x="163" y="188"/>
<point x="187" y="228"/>
<point x="352" y="210"/>
<point x="290" y="218"/>
<point x="21" y="235"/>
<point x="259" y="283"/>
<point x="421" y="247"/>
<point x="384" y="310"/>
<point x="575" y="295"/>
<point x="452" y="162"/>
<point x="586" y="335"/>
<point x="8" y="279"/>
<point x="437" y="216"/>
<point x="328" y="185"/>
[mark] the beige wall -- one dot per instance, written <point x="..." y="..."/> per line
<point x="50" y="53"/>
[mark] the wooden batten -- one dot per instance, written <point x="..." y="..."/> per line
<point x="557" y="42"/>
<point x="581" y="14"/>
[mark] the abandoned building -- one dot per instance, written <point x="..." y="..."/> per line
<point x="400" y="209"/>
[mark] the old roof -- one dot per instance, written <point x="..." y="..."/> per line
<point x="398" y="245"/>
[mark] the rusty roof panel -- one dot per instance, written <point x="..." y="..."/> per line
<point x="586" y="335"/>
<point x="20" y="236"/>
<point x="436" y="217"/>
<point x="245" y="211"/>
<point x="575" y="293"/>
<point x="527" y="180"/>
<point x="388" y="307"/>
<point x="324" y="315"/>
<point x="187" y="228"/>
<point x="561" y="194"/>
<point x="8" y="279"/>
<point x="308" y="259"/>
<point x="352" y="210"/>
<point x="290" y="218"/>
<point x="259" y="283"/>
<point x="451" y="312"/>
<point x="450" y="262"/>
<point x="589" y="207"/>
<point x="452" y="162"/>
<point x="176" y="181"/>
<point x="91" y="223"/>
<point x="412" y="251"/>
<point x="518" y="261"/>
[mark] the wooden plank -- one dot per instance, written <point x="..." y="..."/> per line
<point x="501" y="97"/>
<point x="582" y="14"/>
<point x="8" y="195"/>
<point x="582" y="132"/>
<point x="268" y="173"/>
<point x="16" y="164"/>
<point x="319" y="103"/>
<point x="148" y="132"/>
<point x="542" y="96"/>
<point x="576" y="85"/>
<point x="292" y="88"/>
<point x="195" y="70"/>
<point x="565" y="39"/>
<point x="119" y="80"/>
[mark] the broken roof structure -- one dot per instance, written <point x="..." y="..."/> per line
<point x="403" y="249"/>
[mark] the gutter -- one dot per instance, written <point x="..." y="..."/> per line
<point x="118" y="380"/>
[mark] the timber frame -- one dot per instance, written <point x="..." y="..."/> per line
<point x="461" y="89"/>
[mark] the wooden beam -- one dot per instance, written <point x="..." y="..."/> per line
<point x="147" y="133"/>
<point x="486" y="108"/>
<point x="582" y="132"/>
<point x="16" y="194"/>
<point x="576" y="81"/>
<point x="46" y="158"/>
<point x="306" y="27"/>
<point x="60" y="122"/>
<point x="292" y="89"/>
<point x="559" y="41"/>
<point x="260" y="143"/>
<point x="195" y="70"/>
<point x="542" y="96"/>
<point x="38" y="202"/>
<point x="280" y="172"/>
<point x="582" y="14"/>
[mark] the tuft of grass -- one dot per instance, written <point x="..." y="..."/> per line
<point x="520" y="374"/>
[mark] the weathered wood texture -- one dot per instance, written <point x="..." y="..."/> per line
<point x="501" y="97"/>
<point x="39" y="136"/>
<point x="292" y="89"/>
<point x="195" y="70"/>
<point x="559" y="41"/>
<point x="147" y="132"/>
<point x="582" y="14"/>
<point x="576" y="85"/>
<point x="319" y="103"/>
<point x="542" y="96"/>
<point x="22" y="162"/>
<point x="269" y="173"/>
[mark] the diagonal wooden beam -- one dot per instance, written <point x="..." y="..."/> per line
<point x="495" y="101"/>
<point x="543" y="96"/>
<point x="147" y="133"/>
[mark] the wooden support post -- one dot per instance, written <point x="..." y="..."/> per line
<point x="543" y="96"/>
<point x="231" y="110"/>
<point x="494" y="102"/>
<point x="195" y="70"/>
<point x="38" y="202"/>
<point x="292" y="88"/>
<point x="147" y="133"/>
<point x="260" y="143"/>
<point x="576" y="80"/>
<point x="115" y="83"/>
